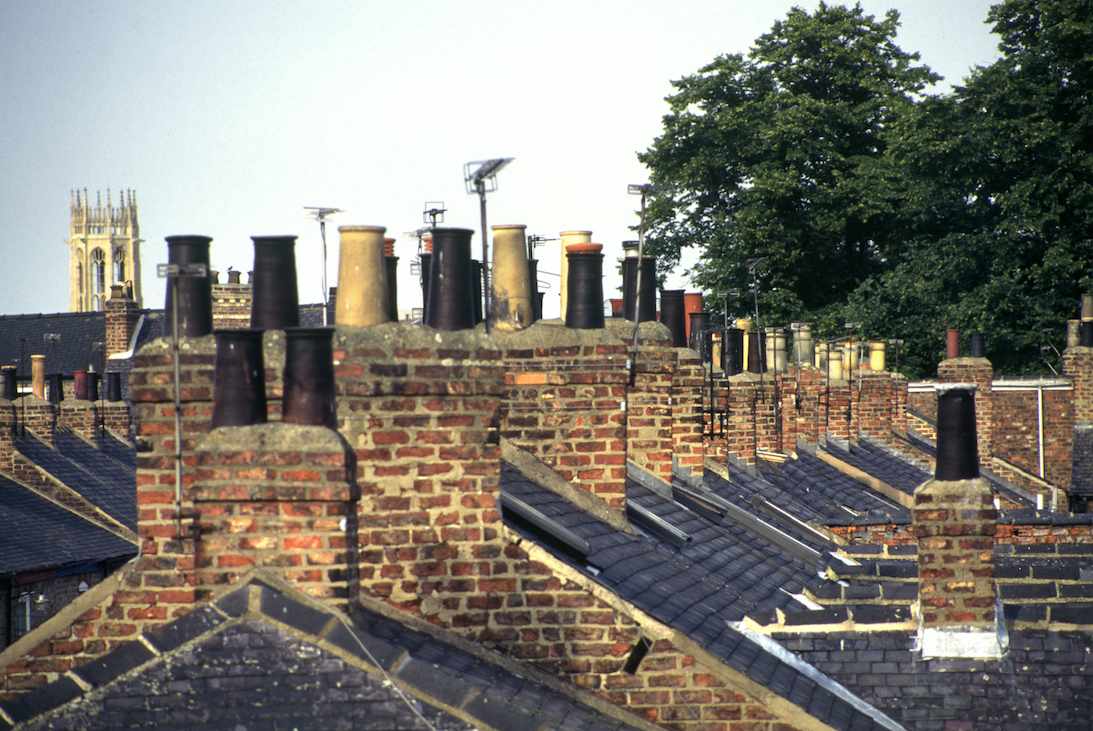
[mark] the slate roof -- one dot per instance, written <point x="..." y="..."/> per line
<point x="108" y="483"/>
<point x="23" y="336"/>
<point x="882" y="463"/>
<point x="808" y="488"/>
<point x="263" y="657"/>
<point x="36" y="533"/>
<point x="699" y="590"/>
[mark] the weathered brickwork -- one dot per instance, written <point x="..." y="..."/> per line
<point x="122" y="316"/>
<point x="802" y="406"/>
<point x="281" y="497"/>
<point x="890" y="534"/>
<point x="954" y="522"/>
<point x="664" y="426"/>
<point x="566" y="404"/>
<point x="1027" y="430"/>
<point x="980" y="372"/>
<point x="421" y="412"/>
<point x="231" y="306"/>
<point x="1077" y="363"/>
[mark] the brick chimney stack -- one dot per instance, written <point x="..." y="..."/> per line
<point x="954" y="522"/>
<point x="122" y="315"/>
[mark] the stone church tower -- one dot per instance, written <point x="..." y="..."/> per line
<point x="105" y="250"/>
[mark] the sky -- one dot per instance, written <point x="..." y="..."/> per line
<point x="229" y="117"/>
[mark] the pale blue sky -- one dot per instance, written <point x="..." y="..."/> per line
<point x="228" y="117"/>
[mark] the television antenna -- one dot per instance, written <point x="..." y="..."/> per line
<point x="536" y="241"/>
<point x="644" y="190"/>
<point x="480" y="177"/>
<point x="319" y="214"/>
<point x="434" y="213"/>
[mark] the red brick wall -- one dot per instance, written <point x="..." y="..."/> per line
<point x="954" y="522"/>
<point x="1016" y="431"/>
<point x="1078" y="364"/>
<point x="122" y="315"/>
<point x="980" y="372"/>
<point x="281" y="497"/>
<point x="564" y="403"/>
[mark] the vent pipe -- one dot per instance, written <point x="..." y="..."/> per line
<point x="309" y="377"/>
<point x="567" y="238"/>
<point x="673" y="316"/>
<point x="700" y="339"/>
<point x="802" y="343"/>
<point x="834" y="363"/>
<point x="11" y="389"/>
<point x="194" y="294"/>
<point x="952" y="344"/>
<point x="978" y="346"/>
<point x="275" y="302"/>
<point x="584" y="310"/>
<point x="476" y="289"/>
<point x="451" y="289"/>
<point x="646" y="291"/>
<point x="511" y="307"/>
<point x="776" y="349"/>
<point x="957" y="445"/>
<point x="876" y="355"/>
<point x="79" y="385"/>
<point x="629" y="277"/>
<point x="38" y="375"/>
<point x="113" y="387"/>
<point x="734" y="351"/>
<point x="239" y="379"/>
<point x="392" y="278"/>
<point x="426" y="258"/>
<point x="56" y="388"/>
<point x="692" y="302"/>
<point x="755" y="352"/>
<point x="362" y="277"/>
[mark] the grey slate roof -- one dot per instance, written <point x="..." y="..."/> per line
<point x="22" y="336"/>
<point x="36" y="533"/>
<point x="107" y="483"/>
<point x="264" y="658"/>
<point x="700" y="591"/>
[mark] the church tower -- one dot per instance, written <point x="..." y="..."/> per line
<point x="105" y="250"/>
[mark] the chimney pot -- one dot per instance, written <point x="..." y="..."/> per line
<point x="957" y="445"/>
<point x="952" y="344"/>
<point x="275" y="302"/>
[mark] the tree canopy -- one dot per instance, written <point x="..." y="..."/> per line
<point x="875" y="203"/>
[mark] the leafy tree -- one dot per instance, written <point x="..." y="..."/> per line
<point x="783" y="154"/>
<point x="913" y="214"/>
<point x="999" y="176"/>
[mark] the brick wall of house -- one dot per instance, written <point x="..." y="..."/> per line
<point x="282" y="497"/>
<point x="1016" y="431"/>
<point x="231" y="306"/>
<point x="1077" y="363"/>
<point x="980" y="372"/>
<point x="565" y="402"/>
<point x="122" y="315"/>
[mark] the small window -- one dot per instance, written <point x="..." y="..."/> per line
<point x="119" y="265"/>
<point x="22" y="615"/>
<point x="98" y="271"/>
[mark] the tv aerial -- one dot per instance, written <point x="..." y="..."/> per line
<point x="320" y="214"/>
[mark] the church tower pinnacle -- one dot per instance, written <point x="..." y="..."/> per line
<point x="105" y="249"/>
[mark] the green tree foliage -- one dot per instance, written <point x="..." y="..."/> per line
<point x="972" y="210"/>
<point x="783" y="154"/>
